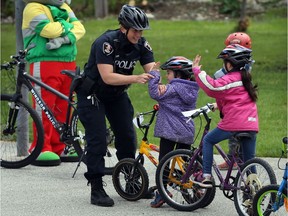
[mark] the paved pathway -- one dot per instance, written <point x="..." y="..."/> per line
<point x="39" y="191"/>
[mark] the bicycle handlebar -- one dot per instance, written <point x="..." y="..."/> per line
<point x="8" y="65"/>
<point x="195" y="113"/>
<point x="154" y="111"/>
<point x="17" y="58"/>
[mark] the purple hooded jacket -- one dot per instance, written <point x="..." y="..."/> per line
<point x="181" y="95"/>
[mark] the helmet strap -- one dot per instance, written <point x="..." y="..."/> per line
<point x="127" y="31"/>
<point x="126" y="28"/>
<point x="226" y="66"/>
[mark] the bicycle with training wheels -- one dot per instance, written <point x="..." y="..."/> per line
<point x="179" y="173"/>
<point x="273" y="199"/>
<point x="130" y="178"/>
<point x="18" y="119"/>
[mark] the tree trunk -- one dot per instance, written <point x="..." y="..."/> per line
<point x="243" y="9"/>
<point x="244" y="21"/>
<point x="100" y="8"/>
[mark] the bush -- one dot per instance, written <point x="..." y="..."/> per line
<point x="231" y="7"/>
<point x="7" y="9"/>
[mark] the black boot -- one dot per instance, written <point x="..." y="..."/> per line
<point x="98" y="194"/>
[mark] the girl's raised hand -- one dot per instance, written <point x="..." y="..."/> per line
<point x="196" y="61"/>
<point x="155" y="67"/>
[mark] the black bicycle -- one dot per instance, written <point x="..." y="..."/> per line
<point x="18" y="119"/>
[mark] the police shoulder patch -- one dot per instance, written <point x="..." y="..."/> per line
<point x="147" y="46"/>
<point x="107" y="48"/>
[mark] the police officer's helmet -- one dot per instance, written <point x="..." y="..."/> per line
<point x="133" y="17"/>
<point x="238" y="55"/>
<point x="180" y="65"/>
<point x="239" y="38"/>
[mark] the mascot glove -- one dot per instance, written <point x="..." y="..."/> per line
<point x="66" y="27"/>
<point x="57" y="42"/>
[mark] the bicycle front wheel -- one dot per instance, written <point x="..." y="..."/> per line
<point x="183" y="196"/>
<point x="130" y="179"/>
<point x="267" y="202"/>
<point x="78" y="131"/>
<point x="18" y="119"/>
<point x="255" y="174"/>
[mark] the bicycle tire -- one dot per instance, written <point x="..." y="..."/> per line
<point x="265" y="198"/>
<point x="77" y="130"/>
<point x="130" y="189"/>
<point x="243" y="198"/>
<point x="181" y="196"/>
<point x="19" y="155"/>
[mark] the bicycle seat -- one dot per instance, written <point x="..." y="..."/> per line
<point x="240" y="135"/>
<point x="70" y="73"/>
<point x="75" y="75"/>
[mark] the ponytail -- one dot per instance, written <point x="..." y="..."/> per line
<point x="248" y="85"/>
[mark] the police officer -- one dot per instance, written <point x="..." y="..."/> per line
<point x="108" y="74"/>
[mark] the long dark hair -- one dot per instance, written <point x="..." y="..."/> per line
<point x="248" y="85"/>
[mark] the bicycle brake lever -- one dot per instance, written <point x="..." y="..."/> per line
<point x="210" y="106"/>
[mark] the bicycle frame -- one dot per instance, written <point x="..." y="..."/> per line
<point x="224" y="181"/>
<point x="146" y="147"/>
<point x="282" y="186"/>
<point x="191" y="167"/>
<point x="23" y="78"/>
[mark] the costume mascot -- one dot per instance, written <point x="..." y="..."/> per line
<point x="52" y="29"/>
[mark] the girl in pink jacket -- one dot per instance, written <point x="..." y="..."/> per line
<point x="236" y="99"/>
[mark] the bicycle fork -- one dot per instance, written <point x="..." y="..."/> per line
<point x="138" y="160"/>
<point x="13" y="113"/>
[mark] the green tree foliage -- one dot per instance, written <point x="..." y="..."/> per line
<point x="231" y="7"/>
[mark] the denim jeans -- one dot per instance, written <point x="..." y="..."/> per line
<point x="248" y="146"/>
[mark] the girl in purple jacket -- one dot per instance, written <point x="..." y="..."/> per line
<point x="236" y="99"/>
<point x="180" y="94"/>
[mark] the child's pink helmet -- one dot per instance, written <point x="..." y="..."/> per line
<point x="240" y="38"/>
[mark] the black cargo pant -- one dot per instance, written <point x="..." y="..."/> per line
<point x="119" y="112"/>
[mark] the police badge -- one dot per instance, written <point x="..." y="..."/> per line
<point x="147" y="46"/>
<point x="107" y="48"/>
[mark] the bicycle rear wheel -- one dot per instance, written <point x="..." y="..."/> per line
<point x="17" y="121"/>
<point x="183" y="196"/>
<point x="256" y="173"/>
<point x="78" y="131"/>
<point x="264" y="202"/>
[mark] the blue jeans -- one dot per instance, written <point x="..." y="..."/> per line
<point x="215" y="136"/>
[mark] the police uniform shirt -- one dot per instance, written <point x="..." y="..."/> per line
<point x="113" y="48"/>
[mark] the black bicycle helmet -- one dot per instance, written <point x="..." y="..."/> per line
<point x="133" y="17"/>
<point x="238" y="55"/>
<point x="180" y="65"/>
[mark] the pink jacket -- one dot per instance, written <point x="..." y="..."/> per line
<point x="239" y="111"/>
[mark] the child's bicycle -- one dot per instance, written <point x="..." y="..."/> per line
<point x="273" y="199"/>
<point x="18" y="118"/>
<point x="178" y="174"/>
<point x="130" y="178"/>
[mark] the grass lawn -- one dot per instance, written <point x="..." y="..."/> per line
<point x="188" y="38"/>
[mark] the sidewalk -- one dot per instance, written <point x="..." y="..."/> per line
<point x="39" y="191"/>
